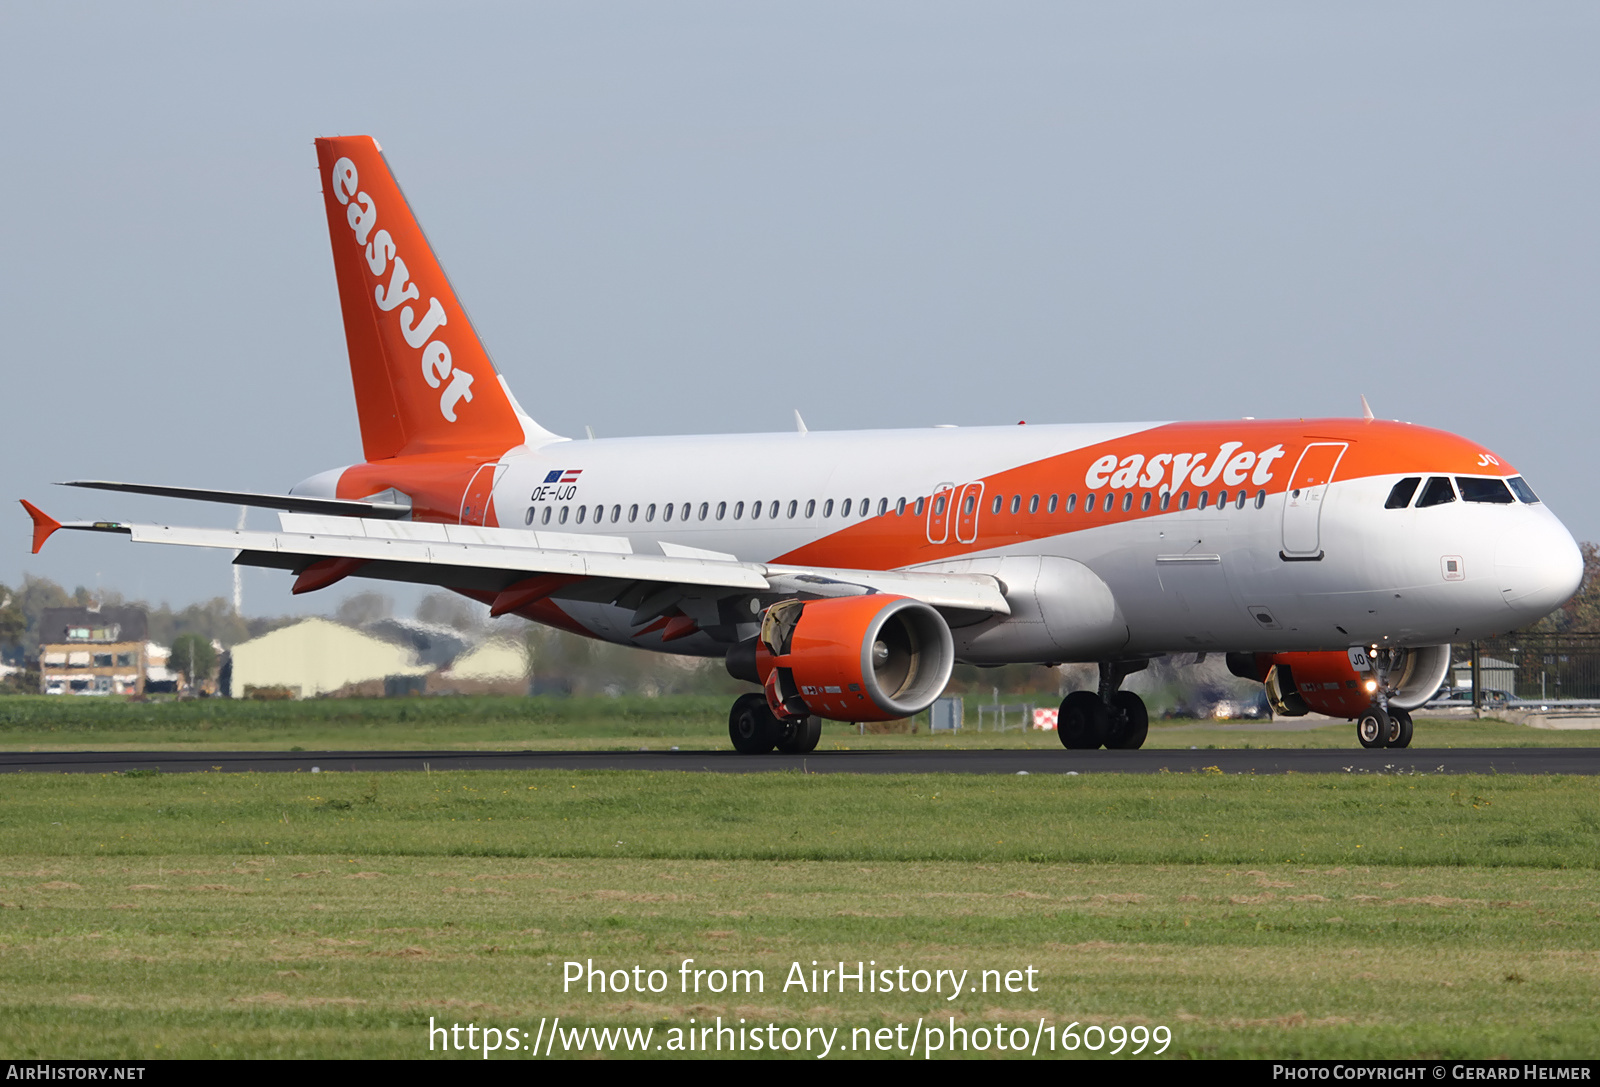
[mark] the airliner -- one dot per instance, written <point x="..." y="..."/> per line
<point x="843" y="574"/>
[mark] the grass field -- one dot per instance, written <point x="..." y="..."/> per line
<point x="552" y="723"/>
<point x="332" y="915"/>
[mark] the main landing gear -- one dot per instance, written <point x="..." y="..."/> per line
<point x="1111" y="718"/>
<point x="755" y="730"/>
<point x="1379" y="727"/>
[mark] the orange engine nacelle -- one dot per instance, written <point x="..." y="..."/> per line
<point x="1342" y="683"/>
<point x="854" y="658"/>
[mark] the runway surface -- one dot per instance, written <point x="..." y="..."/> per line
<point x="1502" y="760"/>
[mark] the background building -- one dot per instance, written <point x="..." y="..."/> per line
<point x="92" y="650"/>
<point x="316" y="657"/>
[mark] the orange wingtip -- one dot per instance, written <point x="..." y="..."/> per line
<point x="43" y="524"/>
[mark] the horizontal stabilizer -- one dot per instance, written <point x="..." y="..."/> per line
<point x="294" y="503"/>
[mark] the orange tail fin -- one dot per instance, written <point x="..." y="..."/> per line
<point x="424" y="383"/>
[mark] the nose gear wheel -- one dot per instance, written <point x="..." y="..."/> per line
<point x="1372" y="727"/>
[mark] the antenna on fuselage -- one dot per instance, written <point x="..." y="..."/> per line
<point x="1366" y="409"/>
<point x="799" y="423"/>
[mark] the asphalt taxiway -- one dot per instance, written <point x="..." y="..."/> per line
<point x="1476" y="760"/>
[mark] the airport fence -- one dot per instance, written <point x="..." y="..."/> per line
<point x="1528" y="669"/>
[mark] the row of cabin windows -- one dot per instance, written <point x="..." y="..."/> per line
<point x="597" y="514"/>
<point x="1439" y="491"/>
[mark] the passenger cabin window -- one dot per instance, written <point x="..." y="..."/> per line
<point x="772" y="510"/>
<point x="1033" y="504"/>
<point x="683" y="514"/>
<point x="722" y="510"/>
<point x="544" y="518"/>
<point x="794" y="507"/>
<point x="811" y="507"/>
<point x="995" y="505"/>
<point x="1261" y="499"/>
<point x="633" y="513"/>
<point x="616" y="514"/>
<point x="1437" y="492"/>
<point x="921" y="505"/>
<point x="827" y="508"/>
<point x="1520" y="487"/>
<point x="1088" y="503"/>
<point x="650" y="512"/>
<point x="1144" y="501"/>
<point x="900" y="508"/>
<point x="738" y="510"/>
<point x="1166" y="500"/>
<point x="844" y="509"/>
<point x="883" y="506"/>
<point x="1072" y="502"/>
<point x="1484" y="490"/>
<point x="1400" y="497"/>
<point x="1050" y="506"/>
<point x="755" y="511"/>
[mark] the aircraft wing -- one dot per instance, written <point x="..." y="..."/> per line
<point x="515" y="567"/>
<point x="297" y="503"/>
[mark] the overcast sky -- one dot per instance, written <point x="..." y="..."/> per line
<point x="676" y="217"/>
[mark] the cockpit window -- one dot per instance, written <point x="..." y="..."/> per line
<point x="1520" y="488"/>
<point x="1437" y="492"/>
<point x="1484" y="490"/>
<point x="1400" y="497"/>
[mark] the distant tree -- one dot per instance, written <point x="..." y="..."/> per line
<point x="364" y="608"/>
<point x="1581" y="614"/>
<point x="450" y="610"/>
<point x="13" y="624"/>
<point x="194" y="656"/>
<point x="213" y="619"/>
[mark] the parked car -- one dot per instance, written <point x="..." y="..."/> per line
<point x="1462" y="696"/>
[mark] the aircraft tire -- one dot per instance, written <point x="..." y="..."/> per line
<point x="1372" y="727"/>
<point x="800" y="735"/>
<point x="1083" y="722"/>
<point x="1130" y="722"/>
<point x="1399" y="729"/>
<point x="751" y="725"/>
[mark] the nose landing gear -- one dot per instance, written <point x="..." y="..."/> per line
<point x="1383" y="725"/>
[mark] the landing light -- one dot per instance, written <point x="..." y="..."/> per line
<point x="1372" y="685"/>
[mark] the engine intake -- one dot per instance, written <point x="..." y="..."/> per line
<point x="1342" y="683"/>
<point x="859" y="658"/>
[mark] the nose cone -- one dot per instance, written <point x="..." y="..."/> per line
<point x="1538" y="564"/>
